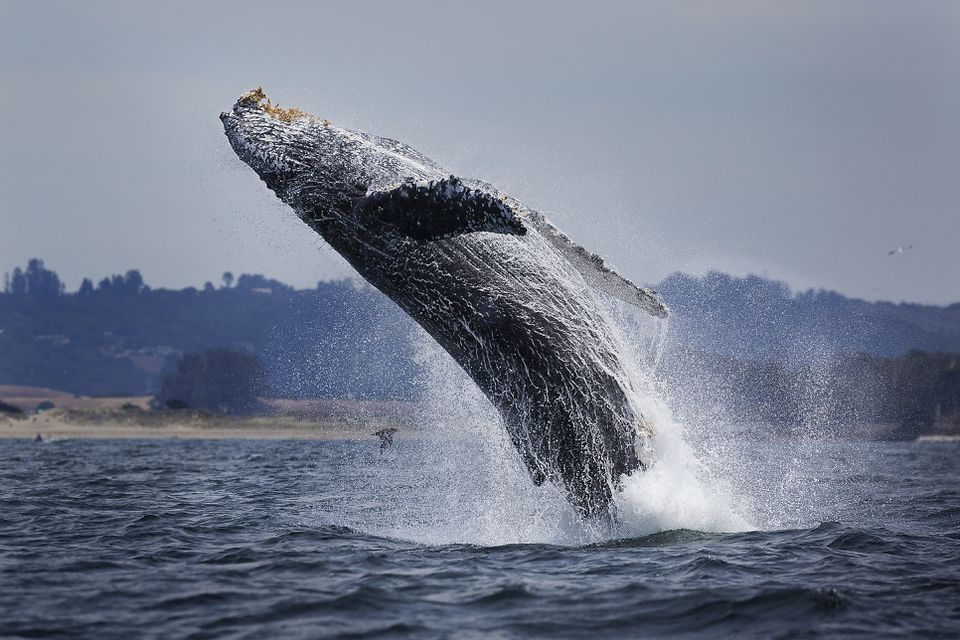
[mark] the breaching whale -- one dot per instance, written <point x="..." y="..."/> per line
<point x="492" y="281"/>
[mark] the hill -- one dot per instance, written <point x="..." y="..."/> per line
<point x="756" y="318"/>
<point x="748" y="345"/>
<point x="336" y="340"/>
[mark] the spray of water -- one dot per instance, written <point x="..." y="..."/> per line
<point x="677" y="490"/>
<point x="471" y="486"/>
<point x="780" y="475"/>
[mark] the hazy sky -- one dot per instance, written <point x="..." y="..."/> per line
<point x="801" y="140"/>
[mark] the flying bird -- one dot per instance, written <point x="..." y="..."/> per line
<point x="386" y="437"/>
<point x="900" y="249"/>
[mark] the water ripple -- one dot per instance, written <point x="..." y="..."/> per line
<point x="323" y="539"/>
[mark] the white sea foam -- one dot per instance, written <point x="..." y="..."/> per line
<point x="677" y="490"/>
<point x="472" y="487"/>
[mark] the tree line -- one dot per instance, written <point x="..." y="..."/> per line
<point x="335" y="340"/>
<point x="219" y="380"/>
<point x="900" y="396"/>
<point x="748" y="347"/>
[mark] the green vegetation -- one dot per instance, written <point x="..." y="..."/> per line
<point x="10" y="409"/>
<point x="36" y="280"/>
<point x="121" y="337"/>
<point x="746" y="346"/>
<point x="759" y="319"/>
<point x="217" y="379"/>
<point x="911" y="394"/>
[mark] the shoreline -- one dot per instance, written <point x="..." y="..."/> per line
<point x="52" y="433"/>
<point x="138" y="425"/>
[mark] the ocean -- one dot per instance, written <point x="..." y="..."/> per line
<point x="445" y="537"/>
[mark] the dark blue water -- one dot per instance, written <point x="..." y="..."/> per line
<point x="119" y="539"/>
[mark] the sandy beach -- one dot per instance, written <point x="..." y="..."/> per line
<point x="109" y="424"/>
<point x="129" y="417"/>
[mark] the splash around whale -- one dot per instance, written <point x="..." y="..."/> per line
<point x="509" y="296"/>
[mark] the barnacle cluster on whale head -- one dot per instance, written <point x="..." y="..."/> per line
<point x="258" y="98"/>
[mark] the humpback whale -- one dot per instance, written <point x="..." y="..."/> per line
<point x="503" y="291"/>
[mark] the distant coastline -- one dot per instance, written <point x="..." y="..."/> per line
<point x="73" y="416"/>
<point x="739" y="351"/>
<point x="113" y="424"/>
<point x="110" y="420"/>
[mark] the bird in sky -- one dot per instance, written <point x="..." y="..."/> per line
<point x="900" y="249"/>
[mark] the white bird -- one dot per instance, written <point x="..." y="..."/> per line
<point x="900" y="249"/>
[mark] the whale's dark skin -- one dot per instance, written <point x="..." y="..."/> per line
<point x="504" y="292"/>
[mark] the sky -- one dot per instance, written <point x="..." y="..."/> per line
<point x="797" y="140"/>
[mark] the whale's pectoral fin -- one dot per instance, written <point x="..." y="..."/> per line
<point x="599" y="274"/>
<point x="440" y="209"/>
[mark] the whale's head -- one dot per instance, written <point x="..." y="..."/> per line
<point x="311" y="165"/>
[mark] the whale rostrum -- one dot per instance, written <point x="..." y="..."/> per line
<point x="504" y="292"/>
